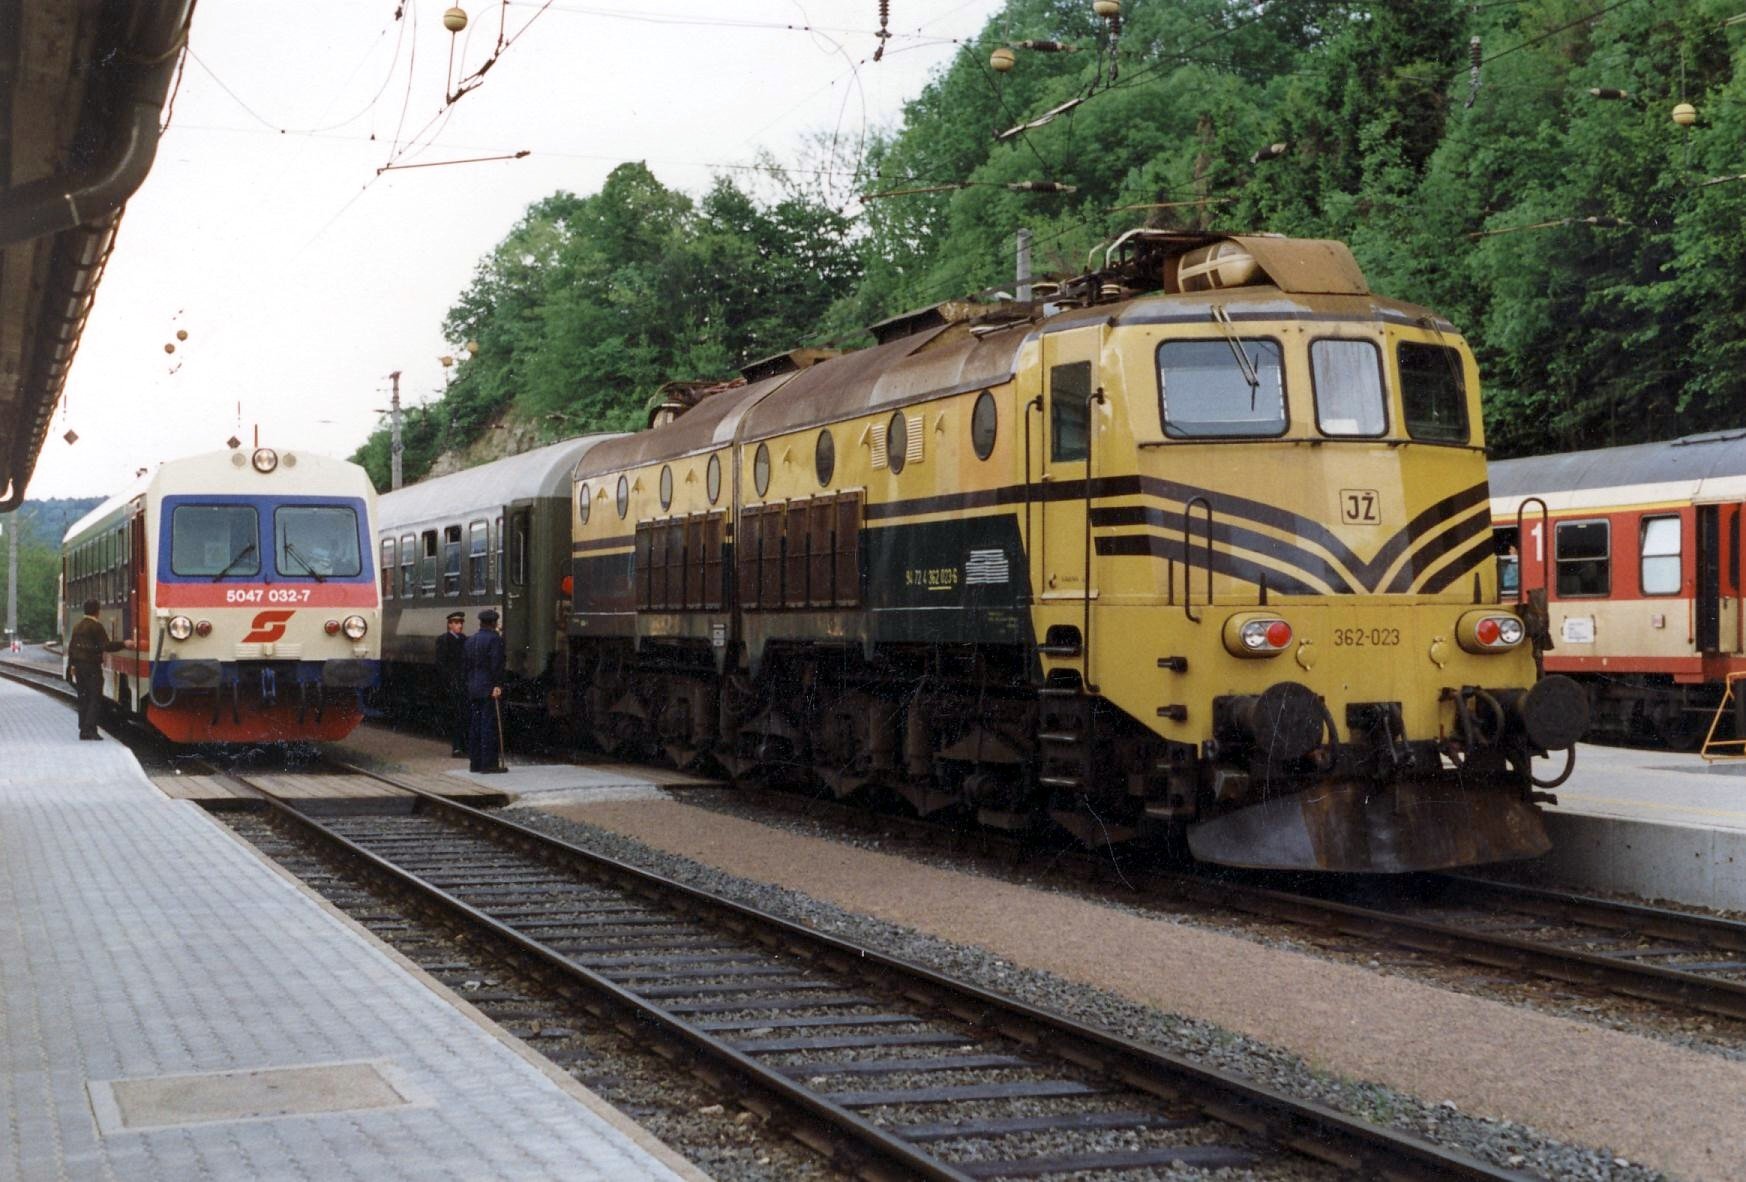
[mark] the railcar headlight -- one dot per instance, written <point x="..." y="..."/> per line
<point x="265" y="459"/>
<point x="1257" y="635"/>
<point x="203" y="628"/>
<point x="181" y="627"/>
<point x="1489" y="631"/>
<point x="355" y="627"/>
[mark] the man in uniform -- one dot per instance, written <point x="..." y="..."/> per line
<point x="451" y="663"/>
<point x="85" y="654"/>
<point x="484" y="667"/>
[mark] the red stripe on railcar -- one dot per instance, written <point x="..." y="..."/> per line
<point x="258" y="595"/>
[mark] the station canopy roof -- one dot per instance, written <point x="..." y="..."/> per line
<point x="82" y="89"/>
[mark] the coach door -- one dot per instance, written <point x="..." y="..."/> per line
<point x="1070" y="380"/>
<point x="516" y="601"/>
<point x="1709" y="579"/>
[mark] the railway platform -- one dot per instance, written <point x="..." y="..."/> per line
<point x="1655" y="824"/>
<point x="176" y="1008"/>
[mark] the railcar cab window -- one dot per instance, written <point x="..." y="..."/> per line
<point x="1584" y="551"/>
<point x="1222" y="388"/>
<point x="1660" y="556"/>
<point x="1433" y="392"/>
<point x="316" y="541"/>
<point x="1347" y="376"/>
<point x="214" y="540"/>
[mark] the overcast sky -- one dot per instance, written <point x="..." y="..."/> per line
<point x="303" y="278"/>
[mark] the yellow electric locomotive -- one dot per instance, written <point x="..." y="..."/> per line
<point x="1197" y="543"/>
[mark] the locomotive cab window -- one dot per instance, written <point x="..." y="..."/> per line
<point x="1222" y="388"/>
<point x="316" y="541"/>
<point x="1433" y="392"/>
<point x="1660" y="556"/>
<point x="1347" y="378"/>
<point x="1584" y="551"/>
<point x="214" y="540"/>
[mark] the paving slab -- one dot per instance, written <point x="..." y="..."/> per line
<point x="172" y="1007"/>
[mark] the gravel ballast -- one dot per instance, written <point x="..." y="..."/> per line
<point x="1462" y="1070"/>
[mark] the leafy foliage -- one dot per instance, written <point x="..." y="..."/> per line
<point x="1572" y="239"/>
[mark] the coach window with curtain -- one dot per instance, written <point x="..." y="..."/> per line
<point x="1660" y="556"/>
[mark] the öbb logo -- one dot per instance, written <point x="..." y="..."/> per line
<point x="267" y="627"/>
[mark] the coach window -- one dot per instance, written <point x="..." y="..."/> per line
<point x="498" y="570"/>
<point x="1347" y="379"/>
<point x="427" y="562"/>
<point x="451" y="560"/>
<point x="1660" y="556"/>
<point x="518" y="552"/>
<point x="317" y="540"/>
<point x="1584" y="559"/>
<point x="387" y="565"/>
<point x="214" y="540"/>
<point x="408" y="566"/>
<point x="1231" y="387"/>
<point x="1433" y="392"/>
<point x="476" y="550"/>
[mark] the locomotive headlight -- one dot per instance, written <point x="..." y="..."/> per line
<point x="181" y="627"/>
<point x="355" y="627"/>
<point x="203" y="628"/>
<point x="1253" y="634"/>
<point x="1489" y="631"/>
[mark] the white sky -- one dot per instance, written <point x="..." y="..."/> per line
<point x="301" y="290"/>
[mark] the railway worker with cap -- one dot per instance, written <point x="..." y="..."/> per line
<point x="85" y="651"/>
<point x="451" y="664"/>
<point x="484" y="669"/>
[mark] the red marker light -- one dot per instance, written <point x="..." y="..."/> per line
<point x="1278" y="634"/>
<point x="1486" y="631"/>
<point x="331" y="627"/>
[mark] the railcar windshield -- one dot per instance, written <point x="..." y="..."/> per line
<point x="1206" y="392"/>
<point x="214" y="540"/>
<point x="317" y="541"/>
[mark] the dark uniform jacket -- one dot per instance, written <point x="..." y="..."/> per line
<point x="451" y="662"/>
<point x="484" y="663"/>
<point x="88" y="644"/>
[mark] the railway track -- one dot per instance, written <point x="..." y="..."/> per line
<point x="1673" y="958"/>
<point x="889" y="1069"/>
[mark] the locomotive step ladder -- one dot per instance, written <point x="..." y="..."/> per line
<point x="1066" y="741"/>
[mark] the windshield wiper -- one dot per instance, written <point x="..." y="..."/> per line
<point x="295" y="553"/>
<point x="234" y="559"/>
<point x="1223" y="318"/>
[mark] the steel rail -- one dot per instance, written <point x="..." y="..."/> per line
<point x="1304" y="1127"/>
<point x="1672" y="986"/>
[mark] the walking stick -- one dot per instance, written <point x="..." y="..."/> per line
<point x="497" y="705"/>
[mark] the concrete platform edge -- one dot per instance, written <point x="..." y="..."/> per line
<point x="588" y="1098"/>
<point x="1679" y="863"/>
